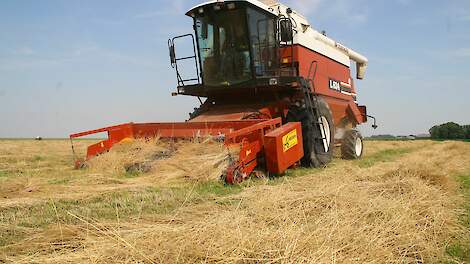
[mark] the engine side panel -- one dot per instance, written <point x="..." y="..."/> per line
<point x="332" y="81"/>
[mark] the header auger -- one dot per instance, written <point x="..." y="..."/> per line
<point x="267" y="82"/>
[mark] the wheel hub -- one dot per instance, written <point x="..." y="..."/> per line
<point x="325" y="132"/>
<point x="359" y="147"/>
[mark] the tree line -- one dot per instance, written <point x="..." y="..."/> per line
<point x="450" y="130"/>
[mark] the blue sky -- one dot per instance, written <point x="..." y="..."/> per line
<point x="68" y="66"/>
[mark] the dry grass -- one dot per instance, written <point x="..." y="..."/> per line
<point x="165" y="162"/>
<point x="398" y="205"/>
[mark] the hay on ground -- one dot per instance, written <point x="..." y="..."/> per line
<point x="200" y="160"/>
<point x="404" y="210"/>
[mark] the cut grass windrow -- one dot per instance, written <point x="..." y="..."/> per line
<point x="460" y="250"/>
<point x="130" y="205"/>
<point x="148" y="201"/>
<point x="395" y="206"/>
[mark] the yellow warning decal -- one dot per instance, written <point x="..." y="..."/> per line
<point x="289" y="140"/>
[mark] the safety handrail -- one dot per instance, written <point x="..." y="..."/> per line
<point x="174" y="60"/>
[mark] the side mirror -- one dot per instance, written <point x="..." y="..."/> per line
<point x="285" y="27"/>
<point x="171" y="48"/>
<point x="374" y="126"/>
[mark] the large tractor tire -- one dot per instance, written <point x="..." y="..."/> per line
<point x="352" y="147"/>
<point x="317" y="153"/>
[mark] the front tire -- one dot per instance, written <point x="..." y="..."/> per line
<point x="318" y="152"/>
<point x="352" y="147"/>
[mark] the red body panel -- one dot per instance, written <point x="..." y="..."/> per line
<point x="279" y="157"/>
<point x="118" y="133"/>
<point x="342" y="105"/>
<point x="241" y="112"/>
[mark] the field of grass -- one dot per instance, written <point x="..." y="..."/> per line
<point x="404" y="202"/>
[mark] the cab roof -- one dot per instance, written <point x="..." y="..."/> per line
<point x="252" y="2"/>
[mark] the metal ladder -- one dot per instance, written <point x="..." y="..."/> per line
<point x="308" y="89"/>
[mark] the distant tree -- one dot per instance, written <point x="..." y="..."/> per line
<point x="449" y="130"/>
<point x="467" y="131"/>
<point x="455" y="131"/>
<point x="443" y="131"/>
<point x="383" y="137"/>
<point x="435" y="132"/>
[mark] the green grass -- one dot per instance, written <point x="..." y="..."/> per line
<point x="130" y="175"/>
<point x="383" y="156"/>
<point x="4" y="174"/>
<point x="459" y="140"/>
<point x="217" y="188"/>
<point x="294" y="173"/>
<point x="460" y="250"/>
<point x="149" y="201"/>
<point x="298" y="172"/>
<point x="125" y="205"/>
<point x="38" y="158"/>
<point x="129" y="204"/>
<point x="11" y="235"/>
<point x="418" y="139"/>
<point x="392" y="139"/>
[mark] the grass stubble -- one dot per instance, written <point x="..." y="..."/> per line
<point x="400" y="204"/>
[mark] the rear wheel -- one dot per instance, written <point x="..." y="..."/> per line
<point x="353" y="146"/>
<point x="318" y="135"/>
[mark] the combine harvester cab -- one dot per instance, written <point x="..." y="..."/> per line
<point x="268" y="83"/>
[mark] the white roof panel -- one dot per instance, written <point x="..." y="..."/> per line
<point x="253" y="2"/>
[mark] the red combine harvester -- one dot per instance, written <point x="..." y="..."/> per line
<point x="267" y="82"/>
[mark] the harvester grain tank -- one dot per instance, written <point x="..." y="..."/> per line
<point x="268" y="82"/>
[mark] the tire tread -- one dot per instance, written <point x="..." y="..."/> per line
<point x="348" y="147"/>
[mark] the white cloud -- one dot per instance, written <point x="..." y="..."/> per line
<point x="24" y="51"/>
<point x="465" y="17"/>
<point x="462" y="53"/>
<point x="85" y="49"/>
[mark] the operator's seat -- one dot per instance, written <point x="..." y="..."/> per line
<point x="210" y="70"/>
